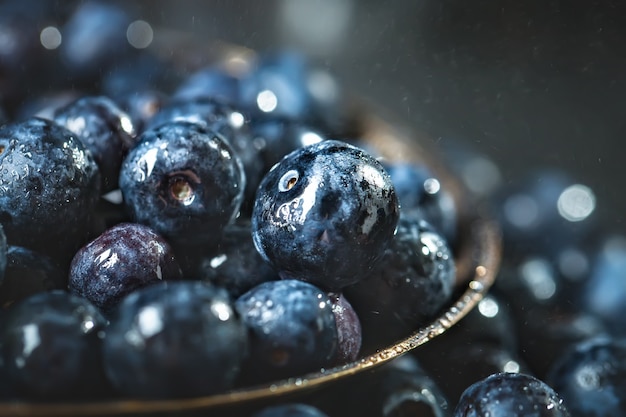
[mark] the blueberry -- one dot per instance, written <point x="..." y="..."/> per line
<point x="141" y="105"/>
<point x="404" y="388"/>
<point x="276" y="137"/>
<point x="467" y="363"/>
<point x="290" y="410"/>
<point x="49" y="186"/>
<point x="29" y="272"/>
<point x="292" y="329"/>
<point x="349" y="332"/>
<point x="410" y="285"/>
<point x="422" y="195"/>
<point x="222" y="119"/>
<point x="177" y="339"/>
<point x="211" y="82"/>
<point x="124" y="258"/>
<point x="51" y="347"/>
<point x="510" y="394"/>
<point x="285" y="84"/>
<point x="104" y="129"/>
<point x="184" y="181"/>
<point x="590" y="376"/>
<point x="324" y="214"/>
<point x="277" y="86"/>
<point x="235" y="265"/>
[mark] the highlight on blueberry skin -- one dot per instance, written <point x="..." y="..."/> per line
<point x="122" y="259"/>
<point x="324" y="214"/>
<point x="510" y="394"/>
<point x="51" y="347"/>
<point x="184" y="181"/>
<point x="49" y="186"/>
<point x="292" y="329"/>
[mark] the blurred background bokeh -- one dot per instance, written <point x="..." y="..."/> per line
<point x="531" y="84"/>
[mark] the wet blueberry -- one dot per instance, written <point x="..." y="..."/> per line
<point x="177" y="339"/>
<point x="292" y="329"/>
<point x="29" y="272"/>
<point x="409" y="286"/>
<point x="184" y="181"/>
<point x="105" y="129"/>
<point x="349" y="332"/>
<point x="141" y="105"/>
<point x="49" y="186"/>
<point x="422" y="195"/>
<point x="51" y="347"/>
<point x="510" y="394"/>
<point x="124" y="258"/>
<point x="324" y="214"/>
<point x="404" y="388"/>
<point x="235" y="264"/>
<point x="225" y="120"/>
<point x="285" y="84"/>
<point x="276" y="137"/>
<point x="591" y="377"/>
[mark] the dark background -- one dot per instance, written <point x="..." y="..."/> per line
<point x="528" y="83"/>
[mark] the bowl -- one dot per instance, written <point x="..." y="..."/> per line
<point x="477" y="257"/>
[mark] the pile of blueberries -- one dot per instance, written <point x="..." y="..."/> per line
<point x="169" y="232"/>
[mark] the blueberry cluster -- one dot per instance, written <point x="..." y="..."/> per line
<point x="174" y="232"/>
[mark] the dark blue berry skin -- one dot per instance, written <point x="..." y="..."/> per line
<point x="510" y="394"/>
<point x="276" y="137"/>
<point x="456" y="367"/>
<point x="324" y="214"/>
<point x="49" y="186"/>
<point x="349" y="332"/>
<point x="181" y="339"/>
<point x="51" y="347"/>
<point x="105" y="129"/>
<point x="421" y="194"/>
<point x="409" y="286"/>
<point x="121" y="260"/>
<point x="29" y="272"/>
<point x="290" y="410"/>
<point x="292" y="329"/>
<point x="282" y="77"/>
<point x="235" y="265"/>
<point x="227" y="121"/>
<point x="209" y="83"/>
<point x="591" y="377"/>
<point x="184" y="181"/>
<point x="285" y="84"/>
<point x="141" y="105"/>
